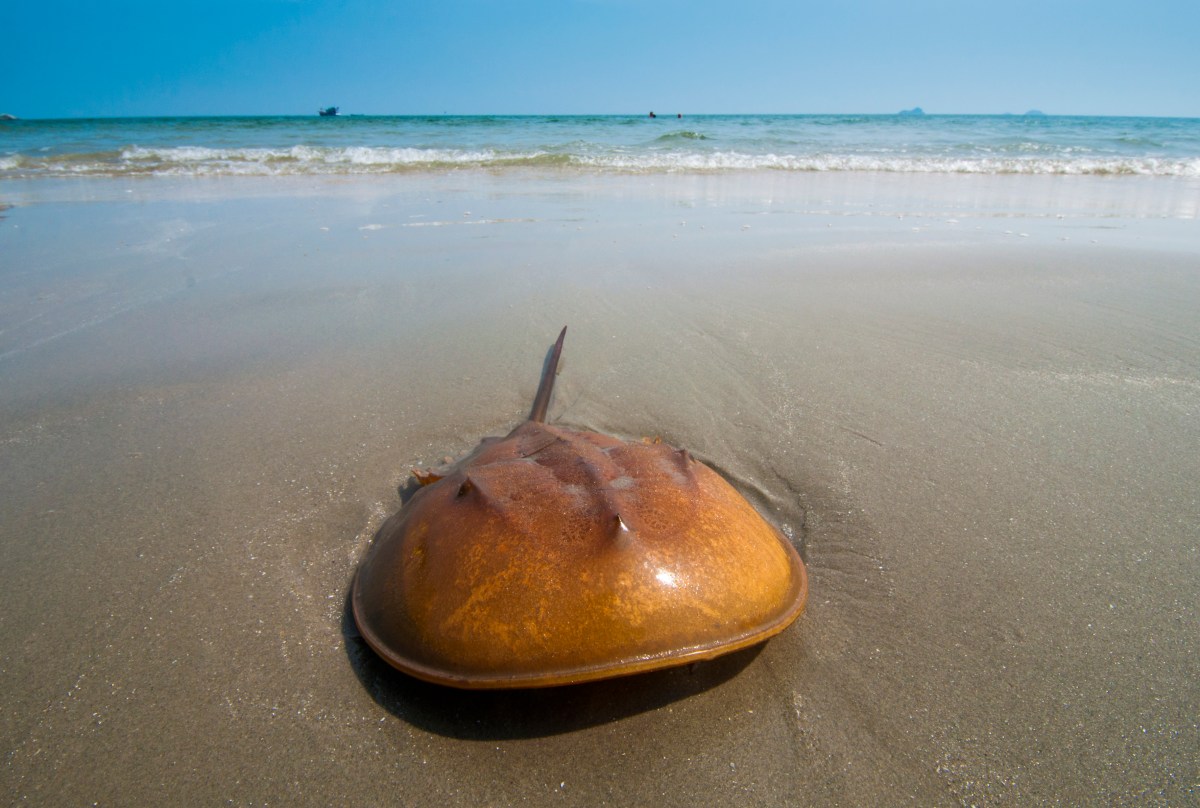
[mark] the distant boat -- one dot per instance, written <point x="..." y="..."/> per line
<point x="328" y="112"/>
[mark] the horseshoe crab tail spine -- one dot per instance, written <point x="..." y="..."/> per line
<point x="541" y="402"/>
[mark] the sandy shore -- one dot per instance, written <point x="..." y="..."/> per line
<point x="974" y="402"/>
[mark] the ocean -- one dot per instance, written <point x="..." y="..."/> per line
<point x="633" y="144"/>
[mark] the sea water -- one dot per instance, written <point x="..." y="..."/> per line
<point x="352" y="144"/>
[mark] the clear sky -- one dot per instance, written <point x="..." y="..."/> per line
<point x="182" y="57"/>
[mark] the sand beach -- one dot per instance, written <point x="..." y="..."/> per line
<point x="972" y="402"/>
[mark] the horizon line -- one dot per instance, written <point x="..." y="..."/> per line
<point x="909" y="113"/>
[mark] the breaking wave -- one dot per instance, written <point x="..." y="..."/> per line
<point x="315" y="160"/>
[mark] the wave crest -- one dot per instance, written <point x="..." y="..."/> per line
<point x="304" y="159"/>
<point x="681" y="135"/>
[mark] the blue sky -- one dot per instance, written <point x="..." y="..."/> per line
<point x="180" y="57"/>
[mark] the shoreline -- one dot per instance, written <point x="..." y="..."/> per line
<point x="1035" y="195"/>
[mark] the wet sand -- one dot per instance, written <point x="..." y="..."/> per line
<point x="974" y="403"/>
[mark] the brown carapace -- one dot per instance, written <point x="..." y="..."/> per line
<point x="555" y="556"/>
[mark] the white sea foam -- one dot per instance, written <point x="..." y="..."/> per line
<point x="733" y="161"/>
<point x="295" y="160"/>
<point x="193" y="160"/>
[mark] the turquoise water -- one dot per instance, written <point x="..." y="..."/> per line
<point x="265" y="146"/>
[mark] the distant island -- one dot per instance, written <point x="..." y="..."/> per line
<point x="1033" y="113"/>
